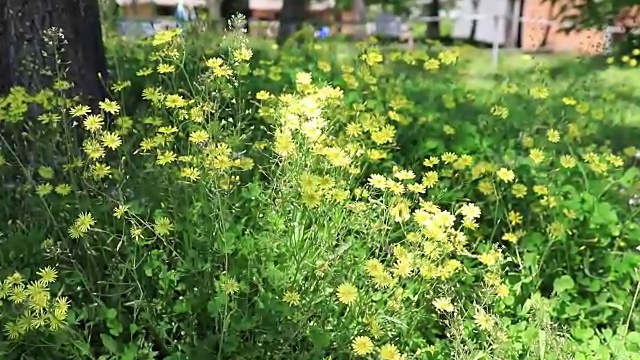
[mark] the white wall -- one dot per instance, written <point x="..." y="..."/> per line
<point x="462" y="27"/>
<point x="486" y="30"/>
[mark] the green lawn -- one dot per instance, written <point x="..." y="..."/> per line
<point x="418" y="29"/>
<point x="566" y="71"/>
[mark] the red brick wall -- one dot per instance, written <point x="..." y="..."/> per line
<point x="583" y="42"/>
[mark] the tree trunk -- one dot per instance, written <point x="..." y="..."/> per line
<point x="231" y="8"/>
<point x="214" y="14"/>
<point x="433" y="27"/>
<point x="42" y="41"/>
<point x="358" y="9"/>
<point x="511" y="24"/>
<point x="292" y="17"/>
<point x="474" y="22"/>
<point x="27" y="54"/>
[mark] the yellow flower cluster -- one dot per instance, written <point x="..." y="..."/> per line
<point x="32" y="303"/>
<point x="629" y="59"/>
<point x="372" y="243"/>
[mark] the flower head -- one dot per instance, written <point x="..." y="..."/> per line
<point x="506" y="175"/>
<point x="362" y="345"/>
<point x="347" y="293"/>
<point x="390" y="352"/>
<point x="291" y="297"/>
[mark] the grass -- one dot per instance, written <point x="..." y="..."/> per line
<point x="567" y="70"/>
<point x="623" y="82"/>
<point x="418" y="29"/>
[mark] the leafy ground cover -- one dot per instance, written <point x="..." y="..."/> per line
<point x="245" y="202"/>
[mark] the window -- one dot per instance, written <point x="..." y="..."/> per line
<point x="165" y="10"/>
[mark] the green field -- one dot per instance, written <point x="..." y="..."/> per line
<point x="323" y="200"/>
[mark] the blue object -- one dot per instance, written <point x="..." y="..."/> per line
<point x="323" y="32"/>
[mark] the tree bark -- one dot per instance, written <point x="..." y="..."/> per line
<point x="214" y="14"/>
<point x="433" y="27"/>
<point x="474" y="22"/>
<point x="358" y="8"/>
<point x="292" y="17"/>
<point x="28" y="58"/>
<point x="230" y="8"/>
<point x="511" y="24"/>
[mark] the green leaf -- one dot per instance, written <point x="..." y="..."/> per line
<point x="115" y="327"/>
<point x="133" y="328"/>
<point x="509" y="300"/>
<point x="319" y="338"/>
<point x="563" y="284"/>
<point x="542" y="341"/>
<point x="214" y="305"/>
<point x="431" y="144"/>
<point x="634" y="338"/>
<point x="130" y="352"/>
<point x="629" y="177"/>
<point x="573" y="309"/>
<point x="110" y="314"/>
<point x="604" y="214"/>
<point x="110" y="344"/>
<point x="589" y="201"/>
<point x="583" y="333"/>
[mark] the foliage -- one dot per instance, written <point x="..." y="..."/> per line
<point x="627" y="54"/>
<point x="594" y="13"/>
<point x="314" y="202"/>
